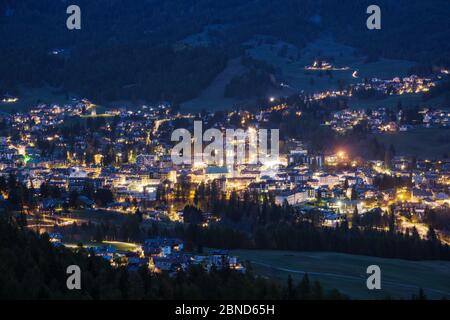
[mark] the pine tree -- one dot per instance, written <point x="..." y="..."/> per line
<point x="317" y="291"/>
<point x="290" y="288"/>
<point x="304" y="289"/>
<point x="420" y="296"/>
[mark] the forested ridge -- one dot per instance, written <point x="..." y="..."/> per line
<point x="135" y="50"/>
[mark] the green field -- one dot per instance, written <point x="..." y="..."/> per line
<point x="31" y="97"/>
<point x="212" y="97"/>
<point x="430" y="143"/>
<point x="399" y="278"/>
<point x="291" y="71"/>
<point x="292" y="66"/>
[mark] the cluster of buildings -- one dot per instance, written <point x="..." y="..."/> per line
<point x="397" y="86"/>
<point x="157" y="254"/>
<point x="329" y="94"/>
<point x="385" y="120"/>
<point x="128" y="152"/>
<point x="7" y="98"/>
<point x="35" y="151"/>
<point x="436" y="118"/>
<point x="324" y="66"/>
<point x="341" y="187"/>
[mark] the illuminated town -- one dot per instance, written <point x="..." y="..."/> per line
<point x="238" y="150"/>
<point x="119" y="161"/>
